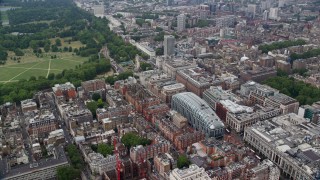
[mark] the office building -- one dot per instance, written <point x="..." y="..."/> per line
<point x="193" y="172"/>
<point x="266" y="170"/>
<point x="252" y="9"/>
<point x="181" y="22"/>
<point x="289" y="141"/>
<point x="274" y="13"/>
<point x="198" y="113"/>
<point x="168" y="45"/>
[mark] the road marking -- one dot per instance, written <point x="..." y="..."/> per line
<point x="32" y="68"/>
<point x="49" y="68"/>
<point x="22" y="72"/>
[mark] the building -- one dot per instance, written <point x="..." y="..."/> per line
<point x="164" y="163"/>
<point x="252" y="9"/>
<point x="266" y="96"/>
<point x="98" y="10"/>
<point x="151" y="111"/>
<point x="139" y="152"/>
<point x="42" y="169"/>
<point x="42" y="125"/>
<point x="181" y="22"/>
<point x="258" y="74"/>
<point x="94" y="86"/>
<point x="168" y="45"/>
<point x="170" y="2"/>
<point x="28" y="105"/>
<point x="215" y="94"/>
<point x="299" y="64"/>
<point x="66" y="91"/>
<point x="198" y="113"/>
<point x="196" y="80"/>
<point x="168" y="91"/>
<point x="239" y="117"/>
<point x="266" y="170"/>
<point x="166" y="127"/>
<point x="289" y="141"/>
<point x="225" y="21"/>
<point x="284" y="66"/>
<point x="139" y="97"/>
<point x="311" y="112"/>
<point x="99" y="164"/>
<point x="144" y="47"/>
<point x="185" y="140"/>
<point x="273" y="14"/>
<point x="193" y="172"/>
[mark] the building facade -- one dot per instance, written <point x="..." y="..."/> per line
<point x="198" y="113"/>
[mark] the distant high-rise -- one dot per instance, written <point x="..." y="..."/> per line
<point x="168" y="45"/>
<point x="181" y="22"/>
<point x="169" y="2"/>
<point x="273" y="13"/>
<point x="265" y="15"/>
<point x="252" y="9"/>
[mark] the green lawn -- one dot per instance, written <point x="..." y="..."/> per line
<point x="38" y="67"/>
<point x="4" y="18"/>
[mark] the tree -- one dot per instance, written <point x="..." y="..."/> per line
<point x="96" y="96"/>
<point x="51" y="76"/>
<point x="183" y="161"/>
<point x="92" y="106"/>
<point x="75" y="156"/>
<point x="100" y="103"/>
<point x="131" y="139"/>
<point x="105" y="149"/>
<point x="46" y="48"/>
<point x="145" y="66"/>
<point x="58" y="42"/>
<point x="68" y="173"/>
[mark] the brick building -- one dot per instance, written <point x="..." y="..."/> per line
<point x="28" y="105"/>
<point x="139" y="97"/>
<point x="196" y="80"/>
<point x="139" y="152"/>
<point x="185" y="140"/>
<point x="151" y="111"/>
<point x="67" y="91"/>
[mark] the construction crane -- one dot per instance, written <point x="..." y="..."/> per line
<point x="118" y="165"/>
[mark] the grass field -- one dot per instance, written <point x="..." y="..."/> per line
<point x="4" y="18"/>
<point x="30" y="65"/>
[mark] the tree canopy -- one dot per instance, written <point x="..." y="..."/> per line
<point x="75" y="156"/>
<point x="183" y="161"/>
<point x="305" y="55"/>
<point x="68" y="173"/>
<point x="62" y="20"/>
<point x="132" y="139"/>
<point x="265" y="48"/>
<point x="304" y="93"/>
<point x="105" y="149"/>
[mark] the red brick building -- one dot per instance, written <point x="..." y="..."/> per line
<point x="154" y="110"/>
<point x="139" y="97"/>
<point x="185" y="140"/>
<point x="66" y="90"/>
<point x="196" y="80"/>
<point x="93" y="85"/>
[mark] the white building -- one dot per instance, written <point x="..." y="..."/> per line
<point x="168" y="45"/>
<point x="252" y="8"/>
<point x="181" y="22"/>
<point x="98" y="9"/>
<point x="193" y="172"/>
<point x="290" y="142"/>
<point x="99" y="164"/>
<point x="274" y="13"/>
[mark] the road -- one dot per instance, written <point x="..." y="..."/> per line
<point x="114" y="64"/>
